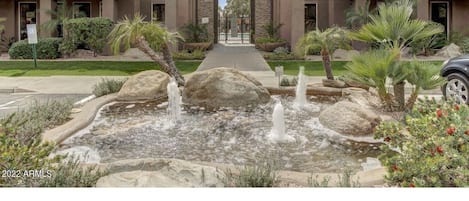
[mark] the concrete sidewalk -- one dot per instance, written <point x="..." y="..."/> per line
<point x="85" y="84"/>
<point x="52" y="84"/>
<point x="243" y="58"/>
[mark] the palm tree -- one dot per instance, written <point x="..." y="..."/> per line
<point x="149" y="37"/>
<point x="423" y="75"/>
<point x="327" y="41"/>
<point x="62" y="13"/>
<point x="394" y="28"/>
<point x="373" y="69"/>
<point x="358" y="15"/>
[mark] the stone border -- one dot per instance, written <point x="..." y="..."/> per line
<point x="370" y="178"/>
<point x="79" y="121"/>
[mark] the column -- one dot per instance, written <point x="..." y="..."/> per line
<point x="331" y="12"/>
<point x="171" y="15"/>
<point x="44" y="5"/>
<point x="109" y="7"/>
<point x="423" y="9"/>
<point x="297" y="21"/>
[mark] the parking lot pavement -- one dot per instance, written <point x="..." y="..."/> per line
<point x="10" y="103"/>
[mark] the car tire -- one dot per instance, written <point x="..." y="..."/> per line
<point x="457" y="88"/>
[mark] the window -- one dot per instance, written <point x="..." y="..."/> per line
<point x="81" y="9"/>
<point x="158" y="13"/>
<point x="440" y="14"/>
<point x="27" y="15"/>
<point x="310" y="17"/>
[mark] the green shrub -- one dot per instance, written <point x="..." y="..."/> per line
<point x="263" y="40"/>
<point x="18" y="157"/>
<point x="428" y="46"/>
<point x="107" y="86"/>
<point x="91" y="32"/>
<point x="47" y="48"/>
<point x="344" y="179"/>
<point x="257" y="176"/>
<point x="22" y="152"/>
<point x="6" y="42"/>
<point x="195" y="33"/>
<point x="285" y="82"/>
<point x="460" y="39"/>
<point x="197" y="54"/>
<point x="27" y="125"/>
<point x="431" y="149"/>
<point x="70" y="174"/>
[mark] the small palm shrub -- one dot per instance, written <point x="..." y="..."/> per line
<point x="430" y="149"/>
<point x="378" y="67"/>
<point x="326" y="42"/>
<point x="107" y="86"/>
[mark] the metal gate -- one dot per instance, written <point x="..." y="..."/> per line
<point x="235" y="27"/>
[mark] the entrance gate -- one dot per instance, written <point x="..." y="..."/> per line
<point x="235" y="26"/>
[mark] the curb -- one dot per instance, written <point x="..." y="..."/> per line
<point x="80" y="121"/>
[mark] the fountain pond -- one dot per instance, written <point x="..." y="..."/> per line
<point x="231" y="136"/>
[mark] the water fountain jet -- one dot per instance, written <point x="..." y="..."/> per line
<point x="278" y="134"/>
<point x="300" y="96"/>
<point x="174" y="102"/>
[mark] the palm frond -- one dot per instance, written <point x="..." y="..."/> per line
<point x="394" y="27"/>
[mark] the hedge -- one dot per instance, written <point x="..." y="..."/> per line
<point x="47" y="48"/>
<point x="90" y="32"/>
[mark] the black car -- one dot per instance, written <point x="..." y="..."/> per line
<point x="456" y="70"/>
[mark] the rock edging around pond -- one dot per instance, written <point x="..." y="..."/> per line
<point x="159" y="172"/>
<point x="78" y="121"/>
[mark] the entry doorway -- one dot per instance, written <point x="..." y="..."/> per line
<point x="235" y="24"/>
<point x="440" y="13"/>
<point x="26" y="15"/>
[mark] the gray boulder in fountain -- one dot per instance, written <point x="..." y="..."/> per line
<point x="223" y="87"/>
<point x="146" y="85"/>
<point x="349" y="119"/>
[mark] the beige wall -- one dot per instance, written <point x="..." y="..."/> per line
<point x="423" y="11"/>
<point x="184" y="12"/>
<point x="7" y="10"/>
<point x="284" y="11"/>
<point x="337" y="12"/>
<point x="460" y="16"/>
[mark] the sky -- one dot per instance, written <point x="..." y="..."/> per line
<point x="222" y="3"/>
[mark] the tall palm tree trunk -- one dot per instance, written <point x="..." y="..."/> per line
<point x="326" y="62"/>
<point x="168" y="57"/>
<point x="143" y="46"/>
<point x="399" y="89"/>
<point x="412" y="99"/>
<point x="399" y="94"/>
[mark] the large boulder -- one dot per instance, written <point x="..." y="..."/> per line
<point x="223" y="87"/>
<point x="146" y="85"/>
<point x="362" y="97"/>
<point x="160" y="173"/>
<point x="450" y="51"/>
<point x="349" y="119"/>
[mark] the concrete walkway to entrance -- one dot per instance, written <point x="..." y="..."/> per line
<point x="241" y="57"/>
